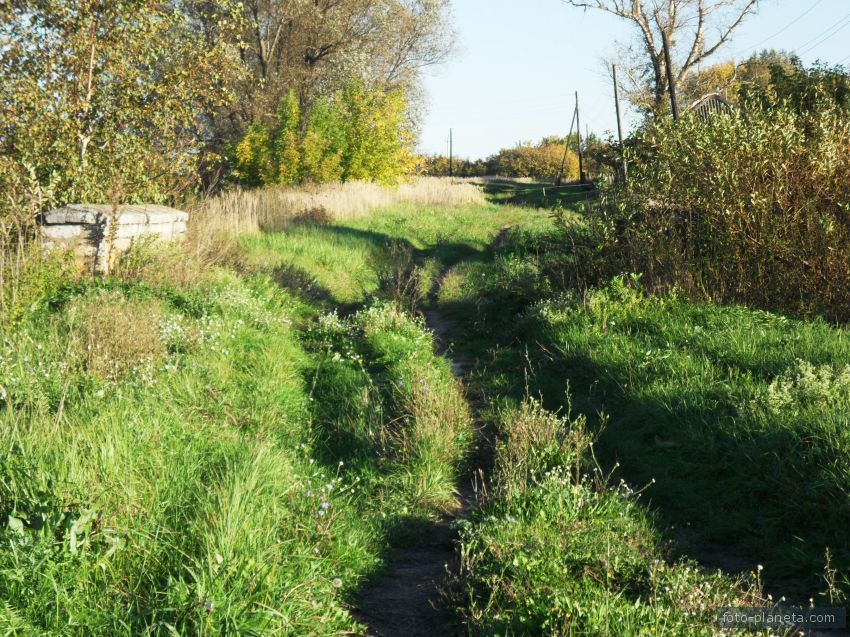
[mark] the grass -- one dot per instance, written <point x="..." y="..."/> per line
<point x="338" y="260"/>
<point x="274" y="208"/>
<point x="740" y="416"/>
<point x="562" y="548"/>
<point x="734" y="420"/>
<point x="536" y="195"/>
<point x="206" y="485"/>
<point x="188" y="450"/>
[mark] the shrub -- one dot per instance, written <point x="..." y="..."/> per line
<point x="750" y="207"/>
<point x="356" y="134"/>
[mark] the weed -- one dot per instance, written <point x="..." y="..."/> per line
<point x="122" y="337"/>
<point x="400" y="279"/>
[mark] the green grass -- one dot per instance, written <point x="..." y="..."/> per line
<point x="737" y="421"/>
<point x="269" y="437"/>
<point x="741" y="417"/>
<point x="562" y="548"/>
<point x="213" y="490"/>
<point x="537" y="195"/>
<point x="339" y="259"/>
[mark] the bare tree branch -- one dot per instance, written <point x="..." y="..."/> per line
<point x="684" y="23"/>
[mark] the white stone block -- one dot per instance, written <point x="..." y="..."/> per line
<point x="62" y="232"/>
<point x="163" y="230"/>
<point x="68" y="215"/>
<point x="128" y="230"/>
<point x="132" y="218"/>
<point x="158" y="217"/>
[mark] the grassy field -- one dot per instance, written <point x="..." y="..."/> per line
<point x="212" y="459"/>
<point x="342" y="262"/>
<point x="188" y="450"/>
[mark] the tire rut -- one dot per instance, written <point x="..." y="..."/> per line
<point x="408" y="600"/>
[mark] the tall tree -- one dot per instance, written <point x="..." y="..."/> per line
<point x="319" y="47"/>
<point x="695" y="30"/>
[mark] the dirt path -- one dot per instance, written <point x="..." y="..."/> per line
<point x="407" y="601"/>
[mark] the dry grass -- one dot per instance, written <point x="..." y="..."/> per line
<point x="122" y="337"/>
<point x="487" y="179"/>
<point x="248" y="211"/>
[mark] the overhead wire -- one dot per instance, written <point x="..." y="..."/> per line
<point x="824" y="36"/>
<point x="783" y="29"/>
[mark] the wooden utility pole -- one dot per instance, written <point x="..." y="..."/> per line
<point x="619" y="123"/>
<point x="566" y="151"/>
<point x="451" y="154"/>
<point x="580" y="153"/>
<point x="671" y="83"/>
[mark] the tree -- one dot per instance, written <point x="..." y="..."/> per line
<point x="542" y="160"/>
<point x="355" y="134"/>
<point x="685" y="24"/>
<point x="319" y="47"/>
<point x="105" y="99"/>
<point x="771" y="77"/>
<point x="287" y="145"/>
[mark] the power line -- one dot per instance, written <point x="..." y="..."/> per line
<point x="783" y="29"/>
<point x="818" y="40"/>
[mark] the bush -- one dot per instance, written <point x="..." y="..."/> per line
<point x="749" y="207"/>
<point x="400" y="279"/>
<point x="356" y="134"/>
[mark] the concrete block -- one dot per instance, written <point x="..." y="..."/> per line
<point x="127" y="218"/>
<point x="129" y="230"/>
<point x="83" y="229"/>
<point x="61" y="232"/>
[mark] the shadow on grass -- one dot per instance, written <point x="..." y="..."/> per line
<point x="539" y="195"/>
<point x="728" y="491"/>
<point x="371" y="247"/>
<point x="731" y="489"/>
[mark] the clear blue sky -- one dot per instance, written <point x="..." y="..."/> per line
<point x="521" y="60"/>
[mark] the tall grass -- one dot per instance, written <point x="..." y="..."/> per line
<point x="268" y="209"/>
<point x="174" y="461"/>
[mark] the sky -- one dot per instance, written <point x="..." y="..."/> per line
<point x="520" y="62"/>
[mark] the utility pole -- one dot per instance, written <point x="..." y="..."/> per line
<point x="560" y="178"/>
<point x="671" y="84"/>
<point x="451" y="154"/>
<point x="580" y="153"/>
<point x="619" y="123"/>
